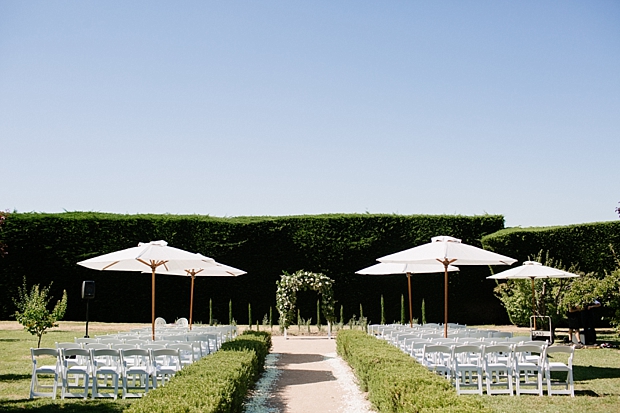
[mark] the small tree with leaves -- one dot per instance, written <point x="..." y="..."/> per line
<point x="32" y="311"/>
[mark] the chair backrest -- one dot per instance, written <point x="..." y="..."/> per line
<point x="112" y="340"/>
<point x="123" y="346"/>
<point x="569" y="350"/>
<point x="166" y="356"/>
<point x="153" y="346"/>
<point x="111" y="357"/>
<point x="68" y="345"/>
<point x="186" y="350"/>
<point x="93" y="346"/>
<point x="434" y="354"/>
<point x="522" y="350"/>
<point x="182" y="322"/>
<point x="84" y="340"/>
<point x="491" y="353"/>
<point x="136" y="341"/>
<point x="43" y="352"/>
<point x="138" y="356"/>
<point x="467" y="353"/>
<point x="160" y="321"/>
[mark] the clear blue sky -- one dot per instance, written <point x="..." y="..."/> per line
<point x="232" y="108"/>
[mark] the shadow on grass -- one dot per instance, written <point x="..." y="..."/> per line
<point x="10" y="340"/>
<point x="14" y="377"/>
<point x="73" y="406"/>
<point x="588" y="393"/>
<point x="583" y="373"/>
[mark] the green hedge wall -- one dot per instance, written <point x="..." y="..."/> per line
<point x="46" y="247"/>
<point x="586" y="245"/>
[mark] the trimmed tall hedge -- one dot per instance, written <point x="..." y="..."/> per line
<point x="215" y="384"/>
<point x="46" y="247"/>
<point x="586" y="245"/>
<point x="395" y="382"/>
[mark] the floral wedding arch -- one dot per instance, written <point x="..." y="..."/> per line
<point x="290" y="284"/>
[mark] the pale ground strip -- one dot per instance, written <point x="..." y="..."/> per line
<point x="355" y="400"/>
<point x="261" y="397"/>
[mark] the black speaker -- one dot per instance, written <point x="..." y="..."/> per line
<point x="88" y="290"/>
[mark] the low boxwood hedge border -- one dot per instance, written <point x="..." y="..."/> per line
<point x="395" y="381"/>
<point x="217" y="383"/>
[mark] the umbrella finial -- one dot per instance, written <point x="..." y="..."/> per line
<point x="445" y="238"/>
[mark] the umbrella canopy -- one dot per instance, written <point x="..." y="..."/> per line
<point x="447" y="250"/>
<point x="210" y="268"/>
<point x="153" y="255"/>
<point x="386" y="268"/>
<point x="532" y="270"/>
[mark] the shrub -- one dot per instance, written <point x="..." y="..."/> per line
<point x="217" y="383"/>
<point x="395" y="381"/>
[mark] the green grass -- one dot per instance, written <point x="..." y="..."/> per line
<point x="15" y="370"/>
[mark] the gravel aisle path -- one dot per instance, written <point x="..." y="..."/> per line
<point x="313" y="379"/>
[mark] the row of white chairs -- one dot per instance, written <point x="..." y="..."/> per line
<point x="206" y="343"/>
<point x="504" y="367"/>
<point x="78" y="370"/>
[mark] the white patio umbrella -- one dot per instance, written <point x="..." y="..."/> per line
<point x="447" y="250"/>
<point x="153" y="255"/>
<point x="532" y="270"/>
<point x="388" y="268"/>
<point x="210" y="268"/>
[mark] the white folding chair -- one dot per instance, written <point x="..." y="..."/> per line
<point x="528" y="364"/>
<point x="84" y="340"/>
<point x="497" y="364"/>
<point x="137" y="371"/>
<point x="166" y="363"/>
<point x="76" y="364"/>
<point x="186" y="352"/>
<point x="467" y="369"/>
<point x="182" y="322"/>
<point x="558" y="366"/>
<point x="106" y="365"/>
<point x="437" y="358"/>
<point x="52" y="368"/>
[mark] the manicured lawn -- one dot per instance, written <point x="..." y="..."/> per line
<point x="597" y="376"/>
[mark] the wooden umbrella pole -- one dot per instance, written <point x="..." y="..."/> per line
<point x="191" y="302"/>
<point x="153" y="300"/>
<point x="445" y="300"/>
<point x="410" y="310"/>
<point x="534" y="302"/>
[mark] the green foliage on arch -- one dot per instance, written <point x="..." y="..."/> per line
<point x="290" y="284"/>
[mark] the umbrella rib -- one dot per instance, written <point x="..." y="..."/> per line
<point x="109" y="265"/>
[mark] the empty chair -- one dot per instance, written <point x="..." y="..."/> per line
<point x="125" y="346"/>
<point x="137" y="371"/>
<point x="497" y="364"/>
<point x="160" y="322"/>
<point x="467" y="369"/>
<point x="166" y="363"/>
<point x="136" y="341"/>
<point x="111" y="340"/>
<point x="446" y="341"/>
<point x="45" y="362"/>
<point x="152" y="346"/>
<point x="437" y="358"/>
<point x="416" y="350"/>
<point x="187" y="352"/>
<point x="76" y="365"/>
<point x="558" y="366"/>
<point x="84" y="340"/>
<point x="182" y="322"/>
<point x="106" y="366"/>
<point x="528" y="369"/>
